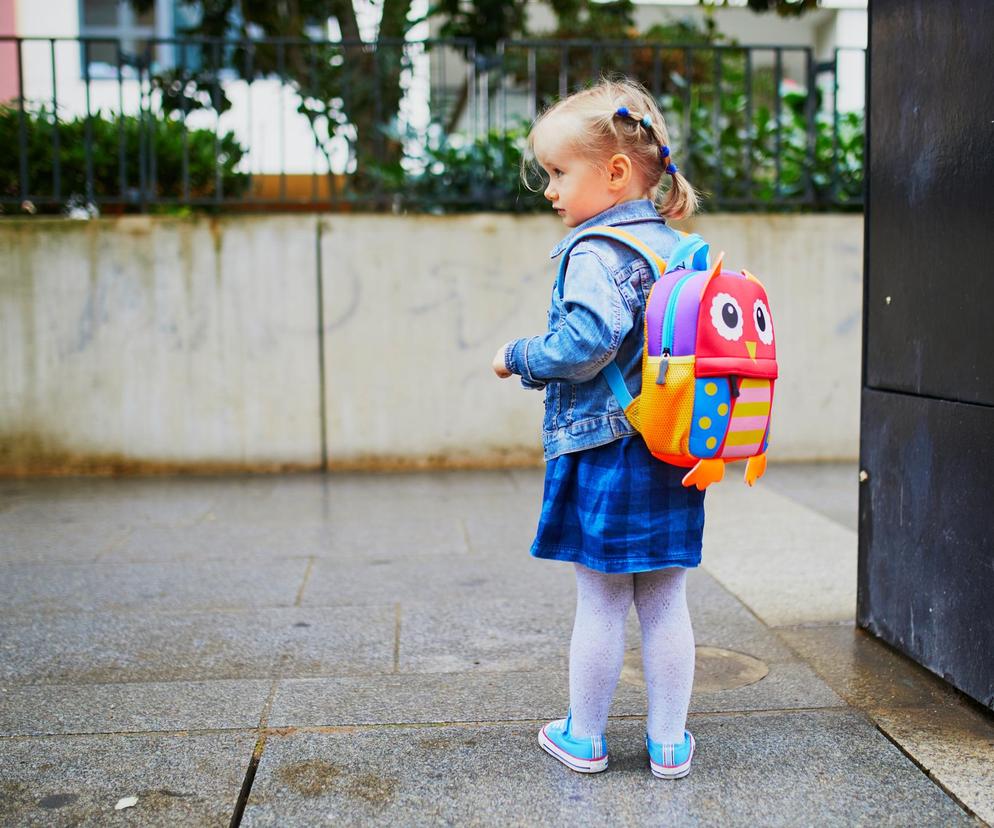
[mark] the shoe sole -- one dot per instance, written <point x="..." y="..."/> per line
<point x="568" y="759"/>
<point x="677" y="771"/>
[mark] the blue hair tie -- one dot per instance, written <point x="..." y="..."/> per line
<point x="672" y="169"/>
<point x="646" y="121"/>
<point x="622" y="111"/>
<point x="664" y="151"/>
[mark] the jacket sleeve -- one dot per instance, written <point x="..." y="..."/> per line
<point x="596" y="320"/>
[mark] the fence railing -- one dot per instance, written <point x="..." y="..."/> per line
<point x="103" y="124"/>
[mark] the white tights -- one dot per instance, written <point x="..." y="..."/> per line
<point x="597" y="648"/>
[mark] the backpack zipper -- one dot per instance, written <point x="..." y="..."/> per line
<point x="669" y="325"/>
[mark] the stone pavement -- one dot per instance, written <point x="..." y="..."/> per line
<point x="381" y="650"/>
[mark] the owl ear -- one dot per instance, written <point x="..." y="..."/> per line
<point x="715" y="270"/>
<point x="752" y="278"/>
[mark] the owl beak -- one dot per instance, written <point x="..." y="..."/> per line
<point x="751" y="348"/>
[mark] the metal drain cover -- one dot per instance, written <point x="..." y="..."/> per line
<point x="715" y="669"/>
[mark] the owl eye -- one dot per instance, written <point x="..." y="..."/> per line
<point x="726" y="316"/>
<point x="764" y="325"/>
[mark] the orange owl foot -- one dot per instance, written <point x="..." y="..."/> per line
<point x="704" y="474"/>
<point x="755" y="467"/>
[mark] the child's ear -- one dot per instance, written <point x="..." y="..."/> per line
<point x="619" y="169"/>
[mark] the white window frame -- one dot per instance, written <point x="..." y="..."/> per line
<point x="127" y="30"/>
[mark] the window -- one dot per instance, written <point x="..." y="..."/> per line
<point x="117" y="22"/>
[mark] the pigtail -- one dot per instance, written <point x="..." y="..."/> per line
<point x="681" y="199"/>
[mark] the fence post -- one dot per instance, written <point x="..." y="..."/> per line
<point x="22" y="128"/>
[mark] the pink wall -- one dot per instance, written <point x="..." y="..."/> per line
<point x="8" y="52"/>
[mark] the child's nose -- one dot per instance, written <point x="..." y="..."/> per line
<point x="550" y="193"/>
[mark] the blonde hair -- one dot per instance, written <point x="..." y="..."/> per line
<point x="601" y="132"/>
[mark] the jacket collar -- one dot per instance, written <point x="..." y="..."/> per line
<point x="627" y="212"/>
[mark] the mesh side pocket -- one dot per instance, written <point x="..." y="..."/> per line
<point x="665" y="411"/>
<point x="632" y="413"/>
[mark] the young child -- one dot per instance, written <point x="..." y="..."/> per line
<point x="618" y="514"/>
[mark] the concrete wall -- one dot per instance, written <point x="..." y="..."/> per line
<point x="158" y="343"/>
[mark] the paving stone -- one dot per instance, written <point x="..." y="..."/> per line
<point x="55" y="542"/>
<point x="831" y="489"/>
<point x="107" y="648"/>
<point x="948" y="735"/>
<point x="770" y="769"/>
<point x="720" y="620"/>
<point x="13" y="492"/>
<point x="532" y="627"/>
<point x="509" y="696"/>
<point x="487" y="635"/>
<point x="529" y="481"/>
<point x="120" y="586"/>
<point x="212" y="540"/>
<point x="188" y="779"/>
<point x="131" y="708"/>
<point x="383" y="577"/>
<point x="427" y="484"/>
<point x="93" y="502"/>
<point x="423" y="607"/>
<point x="788" y="564"/>
<point x="954" y="744"/>
<point x="404" y="529"/>
<point x="866" y="672"/>
<point x="492" y="532"/>
<point x="420" y="698"/>
<point x="787" y="685"/>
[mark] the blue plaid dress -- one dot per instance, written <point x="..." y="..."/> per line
<point x="616" y="508"/>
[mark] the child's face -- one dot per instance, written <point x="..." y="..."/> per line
<point x="578" y="188"/>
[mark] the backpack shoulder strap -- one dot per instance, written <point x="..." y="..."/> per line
<point x="611" y="372"/>
<point x="691" y="252"/>
<point x="656" y="264"/>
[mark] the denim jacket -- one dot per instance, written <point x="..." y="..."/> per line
<point x="600" y="318"/>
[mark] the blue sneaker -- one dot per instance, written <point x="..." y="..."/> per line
<point x="670" y="761"/>
<point x="586" y="755"/>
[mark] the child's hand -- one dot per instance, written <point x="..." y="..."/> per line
<point x="500" y="369"/>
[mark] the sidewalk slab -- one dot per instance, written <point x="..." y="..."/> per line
<point x="107" y="648"/>
<point x="721" y="620"/>
<point x="787" y="563"/>
<point x="217" y="541"/>
<point x="113" y="587"/>
<point x="399" y="576"/>
<point x="54" y="543"/>
<point x="948" y="735"/>
<point x="61" y="709"/>
<point x="95" y="502"/>
<point x="427" y="649"/>
<point x="77" y="780"/>
<point x="830" y="489"/>
<point x="953" y="744"/>
<point x="441" y="698"/>
<point x="866" y="672"/>
<point x="496" y="634"/>
<point x="765" y="769"/>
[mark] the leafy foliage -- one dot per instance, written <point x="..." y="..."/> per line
<point x="735" y="165"/>
<point x="454" y="174"/>
<point x="784" y="8"/>
<point x="741" y="151"/>
<point x="154" y="139"/>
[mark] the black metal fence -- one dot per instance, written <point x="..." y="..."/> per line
<point x="99" y="124"/>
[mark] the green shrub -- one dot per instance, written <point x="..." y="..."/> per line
<point x="154" y="142"/>
<point x="735" y="160"/>
<point x="456" y="174"/>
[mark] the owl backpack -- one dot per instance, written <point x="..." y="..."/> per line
<point x="708" y="362"/>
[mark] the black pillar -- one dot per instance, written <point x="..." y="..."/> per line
<point x="926" y="522"/>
